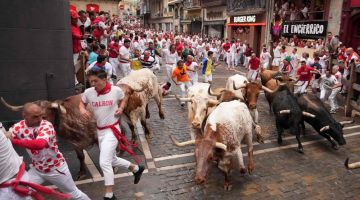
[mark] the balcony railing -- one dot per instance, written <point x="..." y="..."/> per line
<point x="206" y="3"/>
<point x="236" y="5"/>
<point x="192" y="4"/>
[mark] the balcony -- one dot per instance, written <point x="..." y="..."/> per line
<point x="208" y="3"/>
<point x="192" y="4"/>
<point x="236" y="5"/>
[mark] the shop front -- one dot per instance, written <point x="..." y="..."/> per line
<point x="248" y="28"/>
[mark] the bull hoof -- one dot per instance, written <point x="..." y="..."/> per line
<point x="242" y="170"/>
<point x="161" y="115"/>
<point x="227" y="187"/>
<point x="81" y="176"/>
<point x="301" y="150"/>
<point x="251" y="168"/>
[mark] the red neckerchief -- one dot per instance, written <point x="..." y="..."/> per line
<point x="105" y="90"/>
<point x="99" y="64"/>
<point x="146" y="59"/>
<point x="188" y="63"/>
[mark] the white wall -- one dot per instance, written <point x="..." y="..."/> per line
<point x="335" y="16"/>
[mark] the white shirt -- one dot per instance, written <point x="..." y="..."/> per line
<point x="295" y="58"/>
<point x="265" y="57"/>
<point x="193" y="66"/>
<point x="215" y="50"/>
<point x="170" y="58"/>
<point x="124" y="52"/>
<point x="9" y="159"/>
<point x="277" y="53"/>
<point x="104" y="106"/>
<point x="86" y="24"/>
<point x="233" y="48"/>
<point x="327" y="82"/>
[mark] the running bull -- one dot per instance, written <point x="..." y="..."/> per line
<point x="323" y="123"/>
<point x="288" y="114"/>
<point x="225" y="128"/>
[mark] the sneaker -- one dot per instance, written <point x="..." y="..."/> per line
<point x="137" y="175"/>
<point x="112" y="198"/>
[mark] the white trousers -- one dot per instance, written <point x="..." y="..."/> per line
<point x="169" y="70"/>
<point x="302" y="87"/>
<point x="115" y="63"/>
<point x="108" y="158"/>
<point x="230" y="59"/>
<point x="331" y="95"/>
<point x="9" y="194"/>
<point x="59" y="177"/>
<point x="208" y="78"/>
<point x="124" y="70"/>
<point x="183" y="87"/>
<point x="265" y="65"/>
<point x="194" y="79"/>
<point x="252" y="75"/>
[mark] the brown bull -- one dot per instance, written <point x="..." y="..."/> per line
<point x="69" y="123"/>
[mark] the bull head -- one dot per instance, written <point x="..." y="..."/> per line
<point x="224" y="95"/>
<point x="204" y="154"/>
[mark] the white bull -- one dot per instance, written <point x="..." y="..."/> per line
<point x="137" y="102"/>
<point x="228" y="124"/>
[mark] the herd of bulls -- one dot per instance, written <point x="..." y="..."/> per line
<point x="220" y="119"/>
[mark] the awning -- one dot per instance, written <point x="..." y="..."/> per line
<point x="248" y="24"/>
<point x="217" y="22"/>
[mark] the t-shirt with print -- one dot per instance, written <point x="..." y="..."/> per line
<point x="104" y="106"/>
<point x="44" y="160"/>
<point x="328" y="82"/>
<point x="304" y="73"/>
<point x="181" y="74"/>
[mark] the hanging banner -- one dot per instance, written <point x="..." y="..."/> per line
<point x="309" y="29"/>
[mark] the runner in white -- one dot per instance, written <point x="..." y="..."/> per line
<point x="107" y="103"/>
<point x="265" y="58"/>
<point x="101" y="64"/>
<point x="48" y="164"/>
<point x="171" y="57"/>
<point x="192" y="67"/>
<point x="124" y="59"/>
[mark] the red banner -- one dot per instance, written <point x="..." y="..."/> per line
<point x="355" y="3"/>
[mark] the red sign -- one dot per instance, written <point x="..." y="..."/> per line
<point x="355" y="3"/>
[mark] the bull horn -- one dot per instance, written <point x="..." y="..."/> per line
<point x="308" y="114"/>
<point x="267" y="89"/>
<point x="325" y="128"/>
<point x="352" y="165"/>
<point x="13" y="108"/>
<point x="62" y="108"/>
<point x="211" y="93"/>
<point x="241" y="87"/>
<point x="181" y="144"/>
<point x="284" y="112"/>
<point x="220" y="146"/>
<point x="346" y="122"/>
<point x="182" y="99"/>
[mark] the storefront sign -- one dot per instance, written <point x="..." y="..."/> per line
<point x="244" y="19"/>
<point x="304" y="29"/>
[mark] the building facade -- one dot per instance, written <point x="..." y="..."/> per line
<point x="193" y="15"/>
<point x="247" y="21"/>
<point x="350" y="24"/>
<point x="161" y="16"/>
<point x="214" y="18"/>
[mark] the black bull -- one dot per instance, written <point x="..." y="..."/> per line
<point x="323" y="122"/>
